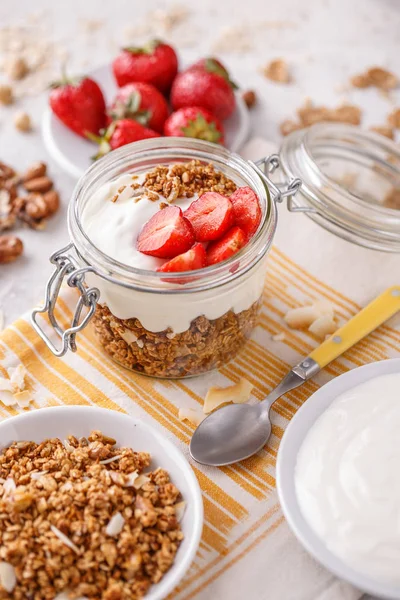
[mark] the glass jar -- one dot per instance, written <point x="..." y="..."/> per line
<point x="213" y="310"/>
<point x="350" y="182"/>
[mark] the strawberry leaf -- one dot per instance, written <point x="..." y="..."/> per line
<point x="212" y="66"/>
<point x="201" y="129"/>
<point x="145" y="49"/>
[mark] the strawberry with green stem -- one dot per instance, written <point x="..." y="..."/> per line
<point x="79" y="104"/>
<point x="154" y="62"/>
<point x="206" y="84"/>
<point x="120" y="133"/>
<point x="141" y="102"/>
<point x="195" y="122"/>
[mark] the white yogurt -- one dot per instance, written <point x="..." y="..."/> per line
<point x="113" y="227"/>
<point x="348" y="478"/>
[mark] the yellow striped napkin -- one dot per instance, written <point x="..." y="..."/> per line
<point x="246" y="548"/>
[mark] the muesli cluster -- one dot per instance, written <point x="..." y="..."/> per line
<point x="79" y="518"/>
<point x="206" y="345"/>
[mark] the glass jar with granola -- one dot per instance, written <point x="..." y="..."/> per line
<point x="169" y="240"/>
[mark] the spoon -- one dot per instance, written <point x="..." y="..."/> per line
<point x="238" y="431"/>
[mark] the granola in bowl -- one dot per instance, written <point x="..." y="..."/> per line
<point x="80" y="518"/>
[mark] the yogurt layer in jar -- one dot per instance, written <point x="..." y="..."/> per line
<point x="187" y="325"/>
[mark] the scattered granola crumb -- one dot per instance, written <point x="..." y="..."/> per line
<point x="17" y="68"/>
<point x="250" y="98"/>
<point x="192" y="415"/>
<point x="375" y="77"/>
<point x="394" y="118"/>
<point x="289" y="126"/>
<point x="384" y="130"/>
<point x="22" y="121"/>
<point x="277" y="70"/>
<point x="309" y="115"/>
<point x="392" y="199"/>
<point x="6" y="94"/>
<point x="239" y="393"/>
<point x="233" y="39"/>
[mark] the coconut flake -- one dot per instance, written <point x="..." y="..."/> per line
<point x="6" y="385"/>
<point x="9" y="486"/>
<point x="180" y="510"/>
<point x="67" y="486"/>
<point x="192" y="415"/>
<point x="38" y="474"/>
<point x="140" y="481"/>
<point x="23" y="399"/>
<point x="217" y="396"/>
<point x="115" y="524"/>
<point x="8" y="578"/>
<point x="323" y="326"/>
<point x="131" y="479"/>
<point x="123" y="479"/>
<point x="129" y="336"/>
<point x="69" y="448"/>
<point x="107" y="461"/>
<point x="64" y="539"/>
<point x="7" y="398"/>
<point x="17" y="377"/>
<point x="303" y="316"/>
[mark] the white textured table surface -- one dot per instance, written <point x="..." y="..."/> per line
<point x="323" y="41"/>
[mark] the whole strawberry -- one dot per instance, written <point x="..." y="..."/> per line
<point x="205" y="84"/>
<point x="195" y="122"/>
<point x="154" y="63"/>
<point x="120" y="133"/>
<point x="141" y="102"/>
<point x="79" y="104"/>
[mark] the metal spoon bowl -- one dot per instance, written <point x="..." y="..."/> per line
<point x="238" y="431"/>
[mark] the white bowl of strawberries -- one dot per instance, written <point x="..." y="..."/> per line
<point x="141" y="95"/>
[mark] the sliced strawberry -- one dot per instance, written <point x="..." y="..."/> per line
<point x="166" y="234"/>
<point x="193" y="259"/>
<point x="211" y="216"/>
<point x="227" y="246"/>
<point x="246" y="209"/>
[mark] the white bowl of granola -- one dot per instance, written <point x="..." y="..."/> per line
<point x="109" y="521"/>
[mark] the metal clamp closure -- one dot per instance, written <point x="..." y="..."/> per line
<point x="88" y="298"/>
<point x="267" y="166"/>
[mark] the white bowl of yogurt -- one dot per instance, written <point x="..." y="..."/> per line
<point x="338" y="477"/>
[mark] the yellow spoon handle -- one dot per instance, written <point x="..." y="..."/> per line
<point x="368" y="319"/>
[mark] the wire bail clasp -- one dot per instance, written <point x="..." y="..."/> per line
<point x="267" y="166"/>
<point x="88" y="298"/>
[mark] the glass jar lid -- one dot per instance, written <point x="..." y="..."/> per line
<point x="351" y="182"/>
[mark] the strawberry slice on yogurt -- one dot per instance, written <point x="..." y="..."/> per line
<point x="193" y="259"/>
<point x="227" y="246"/>
<point x="246" y="209"/>
<point x="167" y="234"/>
<point x="211" y="216"/>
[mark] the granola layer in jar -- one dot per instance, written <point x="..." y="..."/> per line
<point x="184" y="300"/>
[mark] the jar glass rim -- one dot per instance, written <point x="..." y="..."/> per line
<point x="314" y="153"/>
<point x="153" y="152"/>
